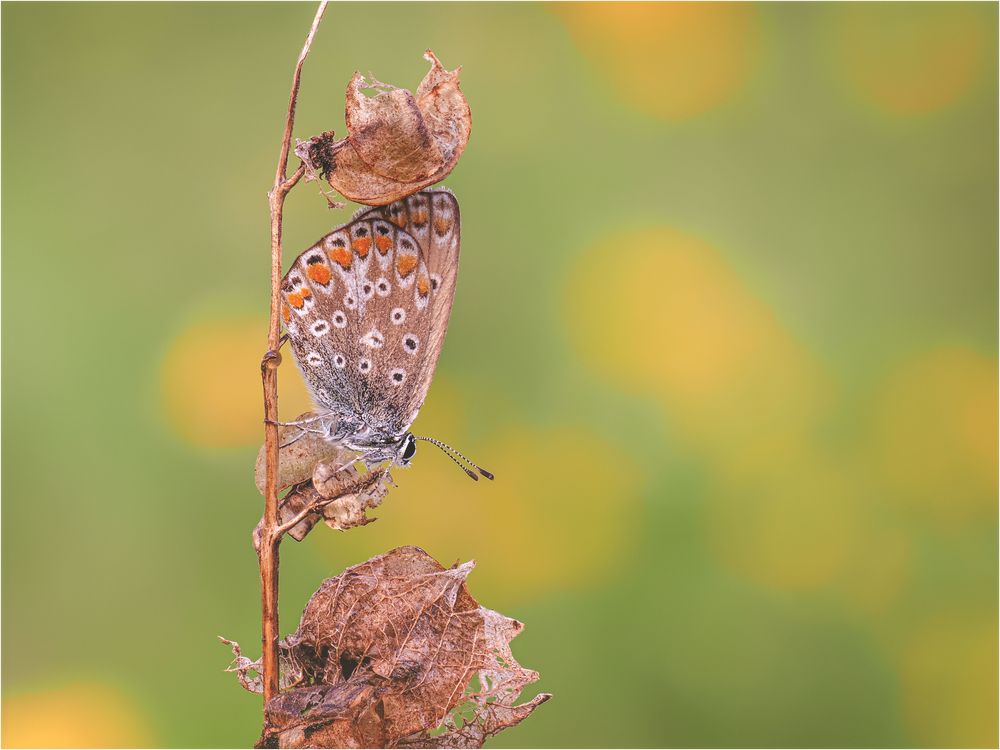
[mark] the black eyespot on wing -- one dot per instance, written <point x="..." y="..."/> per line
<point x="361" y="232"/>
<point x="381" y="229"/>
<point x="313" y="260"/>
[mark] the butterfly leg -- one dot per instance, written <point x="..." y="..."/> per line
<point x="303" y="431"/>
<point x="299" y="422"/>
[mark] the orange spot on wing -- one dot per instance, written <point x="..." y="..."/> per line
<point x="362" y="245"/>
<point x="406" y="265"/>
<point x="423" y="286"/>
<point x="442" y="225"/>
<point x="295" y="300"/>
<point x="420" y="217"/>
<point x="305" y="292"/>
<point x="383" y="243"/>
<point x="286" y="314"/>
<point x="319" y="273"/>
<point x="342" y="256"/>
<point x="399" y="220"/>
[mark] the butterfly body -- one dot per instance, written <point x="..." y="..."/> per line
<point x="366" y="309"/>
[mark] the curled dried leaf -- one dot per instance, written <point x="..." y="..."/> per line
<point x="350" y="493"/>
<point x="324" y="477"/>
<point x="397" y="142"/>
<point x="299" y="451"/>
<point x="387" y="652"/>
<point x="342" y="504"/>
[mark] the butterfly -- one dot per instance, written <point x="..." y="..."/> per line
<point x="366" y="310"/>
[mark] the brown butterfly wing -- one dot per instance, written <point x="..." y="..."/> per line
<point x="424" y="289"/>
<point x="320" y="314"/>
<point x="367" y="307"/>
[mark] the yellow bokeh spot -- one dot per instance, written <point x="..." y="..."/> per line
<point x="671" y="320"/>
<point x="669" y="317"/>
<point x="79" y="715"/>
<point x="949" y="681"/>
<point x="210" y="389"/>
<point x="544" y="525"/>
<point x="915" y="58"/>
<point x="935" y="435"/>
<point x="670" y="60"/>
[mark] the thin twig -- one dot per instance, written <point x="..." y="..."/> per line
<point x="268" y="553"/>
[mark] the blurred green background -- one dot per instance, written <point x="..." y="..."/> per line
<point x="726" y="331"/>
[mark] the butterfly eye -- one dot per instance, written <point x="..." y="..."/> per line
<point x="410" y="450"/>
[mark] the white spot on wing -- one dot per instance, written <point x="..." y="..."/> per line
<point x="373" y="339"/>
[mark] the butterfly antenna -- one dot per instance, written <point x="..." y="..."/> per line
<point x="451" y="453"/>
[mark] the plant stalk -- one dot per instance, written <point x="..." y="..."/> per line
<point x="270" y="538"/>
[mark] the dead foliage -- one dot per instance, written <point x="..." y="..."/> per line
<point x="395" y="652"/>
<point x="397" y="142"/>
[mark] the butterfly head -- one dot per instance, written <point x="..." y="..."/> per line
<point x="406" y="449"/>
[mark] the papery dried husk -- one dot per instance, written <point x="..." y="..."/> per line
<point x="298" y="453"/>
<point x="397" y="142"/>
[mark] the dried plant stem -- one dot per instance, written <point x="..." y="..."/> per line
<point x="270" y="539"/>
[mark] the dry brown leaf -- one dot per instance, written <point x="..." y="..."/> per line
<point x="323" y="475"/>
<point x="298" y="453"/>
<point x="489" y="702"/>
<point x="397" y="142"/>
<point x="350" y="493"/>
<point x="384" y="655"/>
